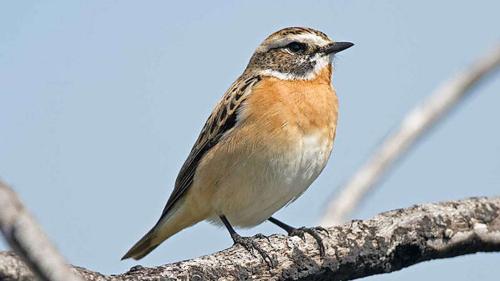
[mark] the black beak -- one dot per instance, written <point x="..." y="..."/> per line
<point x="336" y="47"/>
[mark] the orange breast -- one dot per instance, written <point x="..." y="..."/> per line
<point x="285" y="109"/>
<point x="281" y="143"/>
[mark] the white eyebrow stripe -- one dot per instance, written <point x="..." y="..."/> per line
<point x="310" y="38"/>
<point x="306" y="38"/>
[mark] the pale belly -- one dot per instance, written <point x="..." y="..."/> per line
<point x="262" y="183"/>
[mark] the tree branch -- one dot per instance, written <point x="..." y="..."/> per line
<point x="413" y="127"/>
<point x="388" y="242"/>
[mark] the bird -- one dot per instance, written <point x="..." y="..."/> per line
<point x="265" y="142"/>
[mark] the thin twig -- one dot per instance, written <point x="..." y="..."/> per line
<point x="413" y="127"/>
<point x="24" y="235"/>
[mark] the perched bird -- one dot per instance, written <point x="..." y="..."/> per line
<point x="266" y="141"/>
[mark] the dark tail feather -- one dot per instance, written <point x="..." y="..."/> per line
<point x="143" y="247"/>
<point x="167" y="226"/>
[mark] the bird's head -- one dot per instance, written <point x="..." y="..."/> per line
<point x="295" y="53"/>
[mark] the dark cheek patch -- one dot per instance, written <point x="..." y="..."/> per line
<point x="283" y="62"/>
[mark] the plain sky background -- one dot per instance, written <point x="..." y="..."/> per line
<point x="100" y="102"/>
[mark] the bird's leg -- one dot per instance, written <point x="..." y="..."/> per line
<point x="247" y="242"/>
<point x="300" y="232"/>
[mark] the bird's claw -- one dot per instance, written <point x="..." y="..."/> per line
<point x="322" y="229"/>
<point x="301" y="231"/>
<point x="262" y="236"/>
<point x="250" y="245"/>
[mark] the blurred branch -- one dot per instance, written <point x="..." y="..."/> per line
<point x="27" y="239"/>
<point x="416" y="123"/>
<point x="386" y="243"/>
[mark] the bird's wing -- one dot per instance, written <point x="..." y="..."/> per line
<point x="220" y="122"/>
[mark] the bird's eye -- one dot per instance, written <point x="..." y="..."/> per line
<point x="296" y="47"/>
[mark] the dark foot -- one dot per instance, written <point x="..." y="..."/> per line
<point x="250" y="244"/>
<point x="313" y="231"/>
<point x="300" y="232"/>
<point x="262" y="236"/>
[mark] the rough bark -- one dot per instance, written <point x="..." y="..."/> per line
<point x="388" y="242"/>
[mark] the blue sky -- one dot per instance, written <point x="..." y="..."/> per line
<point x="102" y="100"/>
